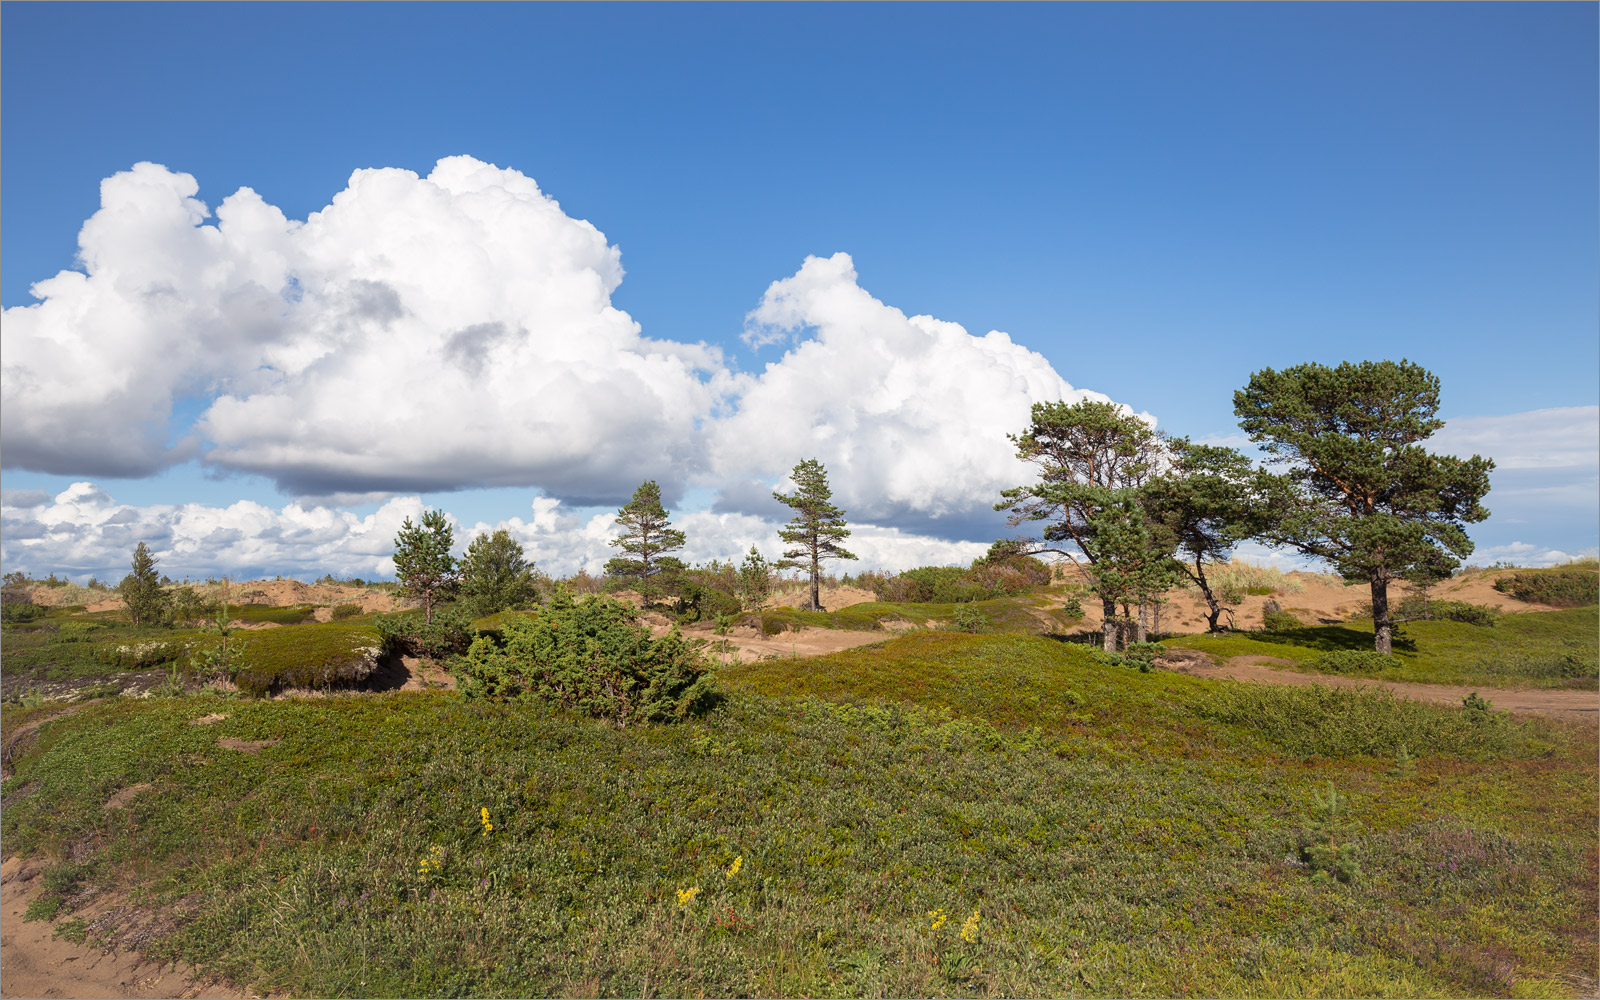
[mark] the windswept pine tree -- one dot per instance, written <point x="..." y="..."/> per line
<point x="141" y="589"/>
<point x="817" y="527"/>
<point x="1363" y="494"/>
<point x="646" y="539"/>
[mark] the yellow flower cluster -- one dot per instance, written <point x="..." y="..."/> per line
<point x="938" y="917"/>
<point x="733" y="869"/>
<point x="686" y="896"/>
<point x="432" y="862"/>
<point x="969" y="930"/>
<point x="483" y="817"/>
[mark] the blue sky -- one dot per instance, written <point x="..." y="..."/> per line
<point x="1155" y="199"/>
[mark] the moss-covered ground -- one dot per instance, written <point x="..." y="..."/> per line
<point x="938" y="814"/>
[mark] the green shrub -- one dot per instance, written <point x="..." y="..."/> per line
<point x="20" y="612"/>
<point x="1275" y="619"/>
<point x="1140" y="656"/>
<point x="1420" y="609"/>
<point x="343" y="611"/>
<point x="79" y="632"/>
<point x="1353" y="661"/>
<point x="590" y="657"/>
<point x="1329" y="844"/>
<point x="699" y="602"/>
<point x="970" y="619"/>
<point x="449" y="634"/>
<point x="140" y="655"/>
<point x="1560" y="588"/>
<point x="1073" y="608"/>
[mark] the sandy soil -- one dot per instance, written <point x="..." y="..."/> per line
<point x="270" y="593"/>
<point x="1321" y="600"/>
<point x="37" y="964"/>
<point x="1569" y="705"/>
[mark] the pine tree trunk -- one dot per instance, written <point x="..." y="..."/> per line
<point x="816" y="587"/>
<point x="1214" y="612"/>
<point x="1382" y="628"/>
<point x="1143" y="617"/>
<point x="1108" y="609"/>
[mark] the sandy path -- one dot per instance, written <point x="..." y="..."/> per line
<point x="1562" y="704"/>
<point x="33" y="963"/>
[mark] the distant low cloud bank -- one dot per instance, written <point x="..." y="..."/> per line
<point x="83" y="532"/>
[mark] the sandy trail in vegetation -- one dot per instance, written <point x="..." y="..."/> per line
<point x="37" y="964"/>
<point x="1561" y="704"/>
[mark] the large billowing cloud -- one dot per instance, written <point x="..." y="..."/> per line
<point x="427" y="334"/>
<point x="908" y="414"/>
<point x="418" y="333"/>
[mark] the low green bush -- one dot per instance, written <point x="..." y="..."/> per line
<point x="1362" y="722"/>
<point x="591" y="657"/>
<point x="80" y="632"/>
<point x="343" y="611"/>
<point x="140" y="655"/>
<point x="409" y="632"/>
<point x="1353" y="661"/>
<point x="970" y="619"/>
<point x="20" y="612"/>
<point x="1560" y="588"/>
<point x="298" y="614"/>
<point x="700" y="602"/>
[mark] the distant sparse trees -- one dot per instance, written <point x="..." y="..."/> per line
<point x="141" y="590"/>
<point x="817" y="527"/>
<point x="495" y="575"/>
<point x="646" y="538"/>
<point x="1363" y="494"/>
<point x="423" y="562"/>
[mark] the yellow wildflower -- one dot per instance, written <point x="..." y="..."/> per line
<point x="431" y="863"/>
<point x="686" y="896"/>
<point x="483" y="817"/>
<point x="733" y="869"/>
<point x="938" y="917"/>
<point x="969" y="930"/>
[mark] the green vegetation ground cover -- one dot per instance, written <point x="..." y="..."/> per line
<point x="1557" y="649"/>
<point x="1110" y="837"/>
<point x="1005" y="614"/>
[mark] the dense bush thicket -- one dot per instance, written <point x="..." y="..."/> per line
<point x="1001" y="573"/>
<point x="1419" y="608"/>
<point x="447" y="634"/>
<point x="590" y="657"/>
<point x="1559" y="588"/>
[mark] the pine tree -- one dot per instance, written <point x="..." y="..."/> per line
<point x="141" y="590"/>
<point x="754" y="583"/>
<point x="495" y="575"/>
<point x="1364" y="495"/>
<point x="817" y="527"/>
<point x="423" y="562"/>
<point x="645" y="540"/>
<point x="1092" y="457"/>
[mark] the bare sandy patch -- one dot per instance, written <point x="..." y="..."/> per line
<point x="247" y="746"/>
<point x="38" y="964"/>
<point x="121" y="799"/>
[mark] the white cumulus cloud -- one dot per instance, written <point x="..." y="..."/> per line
<point x="417" y="333"/>
<point x="909" y="414"/>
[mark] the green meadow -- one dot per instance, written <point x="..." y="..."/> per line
<point x="942" y="813"/>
